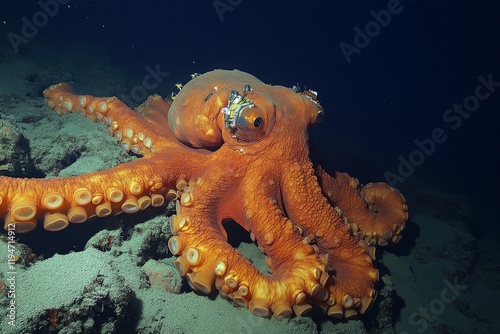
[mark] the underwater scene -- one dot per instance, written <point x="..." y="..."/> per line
<point x="236" y="166"/>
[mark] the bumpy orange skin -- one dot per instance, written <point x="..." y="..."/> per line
<point x="317" y="230"/>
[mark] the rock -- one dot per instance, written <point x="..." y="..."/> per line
<point x="14" y="149"/>
<point x="144" y="241"/>
<point x="72" y="293"/>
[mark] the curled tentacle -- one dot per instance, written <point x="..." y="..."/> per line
<point x="376" y="212"/>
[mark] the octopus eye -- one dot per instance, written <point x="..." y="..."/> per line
<point x="253" y="124"/>
<point x="321" y="115"/>
<point x="257" y="122"/>
<point x="250" y="119"/>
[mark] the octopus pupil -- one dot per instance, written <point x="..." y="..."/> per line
<point x="320" y="117"/>
<point x="258" y="122"/>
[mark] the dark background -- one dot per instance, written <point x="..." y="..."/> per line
<point x="394" y="91"/>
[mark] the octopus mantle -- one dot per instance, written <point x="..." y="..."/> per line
<point x="229" y="147"/>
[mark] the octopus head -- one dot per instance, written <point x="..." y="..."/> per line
<point x="237" y="109"/>
<point x="196" y="117"/>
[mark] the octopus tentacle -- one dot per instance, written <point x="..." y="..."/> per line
<point x="292" y="261"/>
<point x="351" y="283"/>
<point x="206" y="259"/>
<point x="126" y="188"/>
<point x="376" y="212"/>
<point x="134" y="133"/>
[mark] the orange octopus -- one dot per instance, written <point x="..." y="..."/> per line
<point x="229" y="147"/>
